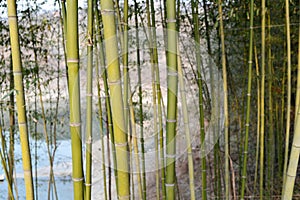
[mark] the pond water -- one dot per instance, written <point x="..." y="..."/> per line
<point x="62" y="171"/>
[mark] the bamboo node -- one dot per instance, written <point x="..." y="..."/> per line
<point x="170" y="155"/>
<point x="121" y="144"/>
<point x="169" y="184"/>
<point x="22" y="124"/>
<point x="89" y="94"/>
<point x="17" y="73"/>
<point x="248" y="94"/>
<point x="107" y="11"/>
<point x="77" y="179"/>
<point x="250" y="62"/>
<point x="12" y="17"/>
<point x="290" y="175"/>
<point x="72" y="60"/>
<point x="171" y="120"/>
<point x="117" y="82"/>
<point x="172" y="74"/>
<point x="74" y="124"/>
<point x="171" y="20"/>
<point x="247" y="125"/>
<point x="124" y="197"/>
<point x="88" y="184"/>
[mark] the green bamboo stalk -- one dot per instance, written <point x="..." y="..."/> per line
<point x="159" y="97"/>
<point x="160" y="114"/>
<point x="63" y="22"/>
<point x="271" y="150"/>
<point x="74" y="98"/>
<point x="101" y="58"/>
<point x="226" y="134"/>
<point x="135" y="147"/>
<point x="125" y="62"/>
<point x="201" y="109"/>
<point x="109" y="124"/>
<point x="18" y="82"/>
<point x="143" y="172"/>
<point x="101" y="121"/>
<point x="186" y="127"/>
<point x="154" y="64"/>
<point x="258" y="119"/>
<point x="172" y="98"/>
<point x="289" y="184"/>
<point x="217" y="182"/>
<point x="290" y="175"/>
<point x="89" y="103"/>
<point x="288" y="106"/>
<point x="114" y="80"/>
<point x="244" y="171"/>
<point x="11" y="156"/>
<point x="298" y="78"/>
<point x="262" y="96"/>
<point x="4" y="163"/>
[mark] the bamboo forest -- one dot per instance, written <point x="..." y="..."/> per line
<point x="149" y="99"/>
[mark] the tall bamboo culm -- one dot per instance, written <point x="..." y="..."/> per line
<point x="262" y="96"/>
<point x="114" y="81"/>
<point x="74" y="98"/>
<point x="244" y="172"/>
<point x="89" y="107"/>
<point x="18" y="83"/>
<point x="11" y="155"/>
<point x="290" y="176"/>
<point x="201" y="109"/>
<point x="172" y="98"/>
<point x="226" y="114"/>
<point x="288" y="106"/>
<point x="186" y="128"/>
<point x="143" y="172"/>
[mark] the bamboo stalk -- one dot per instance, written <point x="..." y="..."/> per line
<point x="109" y="124"/>
<point x="290" y="175"/>
<point x="143" y="172"/>
<point x="201" y="109"/>
<point x="262" y="96"/>
<point x="172" y="98"/>
<point x="186" y="127"/>
<point x="4" y="165"/>
<point x="288" y="108"/>
<point x="258" y="119"/>
<point x="135" y="147"/>
<point x="247" y="125"/>
<point x="74" y="98"/>
<point x="226" y="114"/>
<point x="271" y="149"/>
<point x="11" y="156"/>
<point x="101" y="124"/>
<point x="18" y="78"/>
<point x="89" y="102"/>
<point x="114" y="81"/>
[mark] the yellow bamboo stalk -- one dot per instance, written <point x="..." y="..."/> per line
<point x="114" y="81"/>
<point x="226" y="114"/>
<point x="18" y="80"/>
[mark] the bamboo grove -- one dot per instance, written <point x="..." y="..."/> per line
<point x="174" y="99"/>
